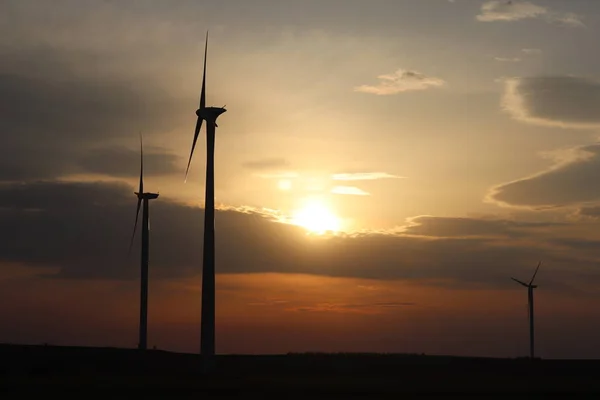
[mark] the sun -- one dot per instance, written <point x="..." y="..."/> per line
<point x="316" y="218"/>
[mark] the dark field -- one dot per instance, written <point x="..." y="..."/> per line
<point x="110" y="372"/>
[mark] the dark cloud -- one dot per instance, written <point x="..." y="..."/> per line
<point x="50" y="111"/>
<point x="564" y="101"/>
<point x="266" y="163"/>
<point x="590" y="212"/>
<point x="380" y="305"/>
<point x="344" y="307"/>
<point x="125" y="162"/>
<point x="572" y="180"/>
<point x="578" y="244"/>
<point x="84" y="229"/>
<point x="471" y="227"/>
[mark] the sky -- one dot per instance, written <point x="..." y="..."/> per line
<point x="382" y="170"/>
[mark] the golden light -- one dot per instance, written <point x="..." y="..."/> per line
<point x="284" y="184"/>
<point x="316" y="218"/>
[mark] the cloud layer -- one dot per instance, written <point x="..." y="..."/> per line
<point x="266" y="164"/>
<point x="401" y="81"/>
<point x="57" y="120"/>
<point x="120" y="161"/>
<point x="83" y="230"/>
<point x="471" y="227"/>
<point x="559" y="101"/>
<point x="507" y="59"/>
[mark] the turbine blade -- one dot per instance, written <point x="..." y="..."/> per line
<point x="535" y="273"/>
<point x="521" y="282"/>
<point x="141" y="189"/>
<point x="137" y="213"/>
<point x="196" y="132"/>
<point x="203" y="92"/>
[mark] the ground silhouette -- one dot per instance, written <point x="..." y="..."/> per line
<point x="51" y="369"/>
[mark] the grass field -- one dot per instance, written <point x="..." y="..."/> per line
<point x="116" y="372"/>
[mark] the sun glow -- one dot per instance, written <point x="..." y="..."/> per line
<point x="316" y="218"/>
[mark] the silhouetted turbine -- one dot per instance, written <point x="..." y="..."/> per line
<point x="530" y="286"/>
<point x="210" y="115"/>
<point x="143" y="198"/>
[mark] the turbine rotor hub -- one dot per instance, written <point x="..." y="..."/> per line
<point x="210" y="113"/>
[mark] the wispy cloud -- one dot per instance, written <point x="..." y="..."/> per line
<point x="507" y="11"/>
<point x="401" y="81"/>
<point x="532" y="51"/>
<point x="266" y="163"/>
<point x="351" y="190"/>
<point x="362" y="176"/>
<point x="507" y="59"/>
<point x="278" y="175"/>
<point x="368" y="308"/>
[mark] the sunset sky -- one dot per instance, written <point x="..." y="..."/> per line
<point x="383" y="169"/>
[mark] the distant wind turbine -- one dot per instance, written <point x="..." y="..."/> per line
<point x="530" y="286"/>
<point x="210" y="115"/>
<point x="145" y="198"/>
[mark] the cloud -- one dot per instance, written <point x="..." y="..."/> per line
<point x="369" y="308"/>
<point x="124" y="162"/>
<point x="571" y="180"/>
<point x="532" y="51"/>
<point x="401" y="81"/>
<point x="266" y="163"/>
<point x="351" y="190"/>
<point x="49" y="116"/>
<point x="362" y="176"/>
<point x="558" y="101"/>
<point x="592" y="212"/>
<point x="505" y="59"/>
<point x="83" y="230"/>
<point x="508" y="11"/>
<point x="471" y="227"/>
<point x="278" y="175"/>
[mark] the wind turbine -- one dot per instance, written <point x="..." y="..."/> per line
<point x="145" y="199"/>
<point x="530" y="286"/>
<point x="210" y="115"/>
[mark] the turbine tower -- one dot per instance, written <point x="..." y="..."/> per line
<point x="210" y="115"/>
<point x="145" y="199"/>
<point x="530" y="286"/>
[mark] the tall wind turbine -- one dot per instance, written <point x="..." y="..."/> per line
<point x="145" y="199"/>
<point x="530" y="286"/>
<point x="210" y="115"/>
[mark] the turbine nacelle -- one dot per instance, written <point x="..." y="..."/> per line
<point x="148" y="196"/>
<point x="210" y="114"/>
